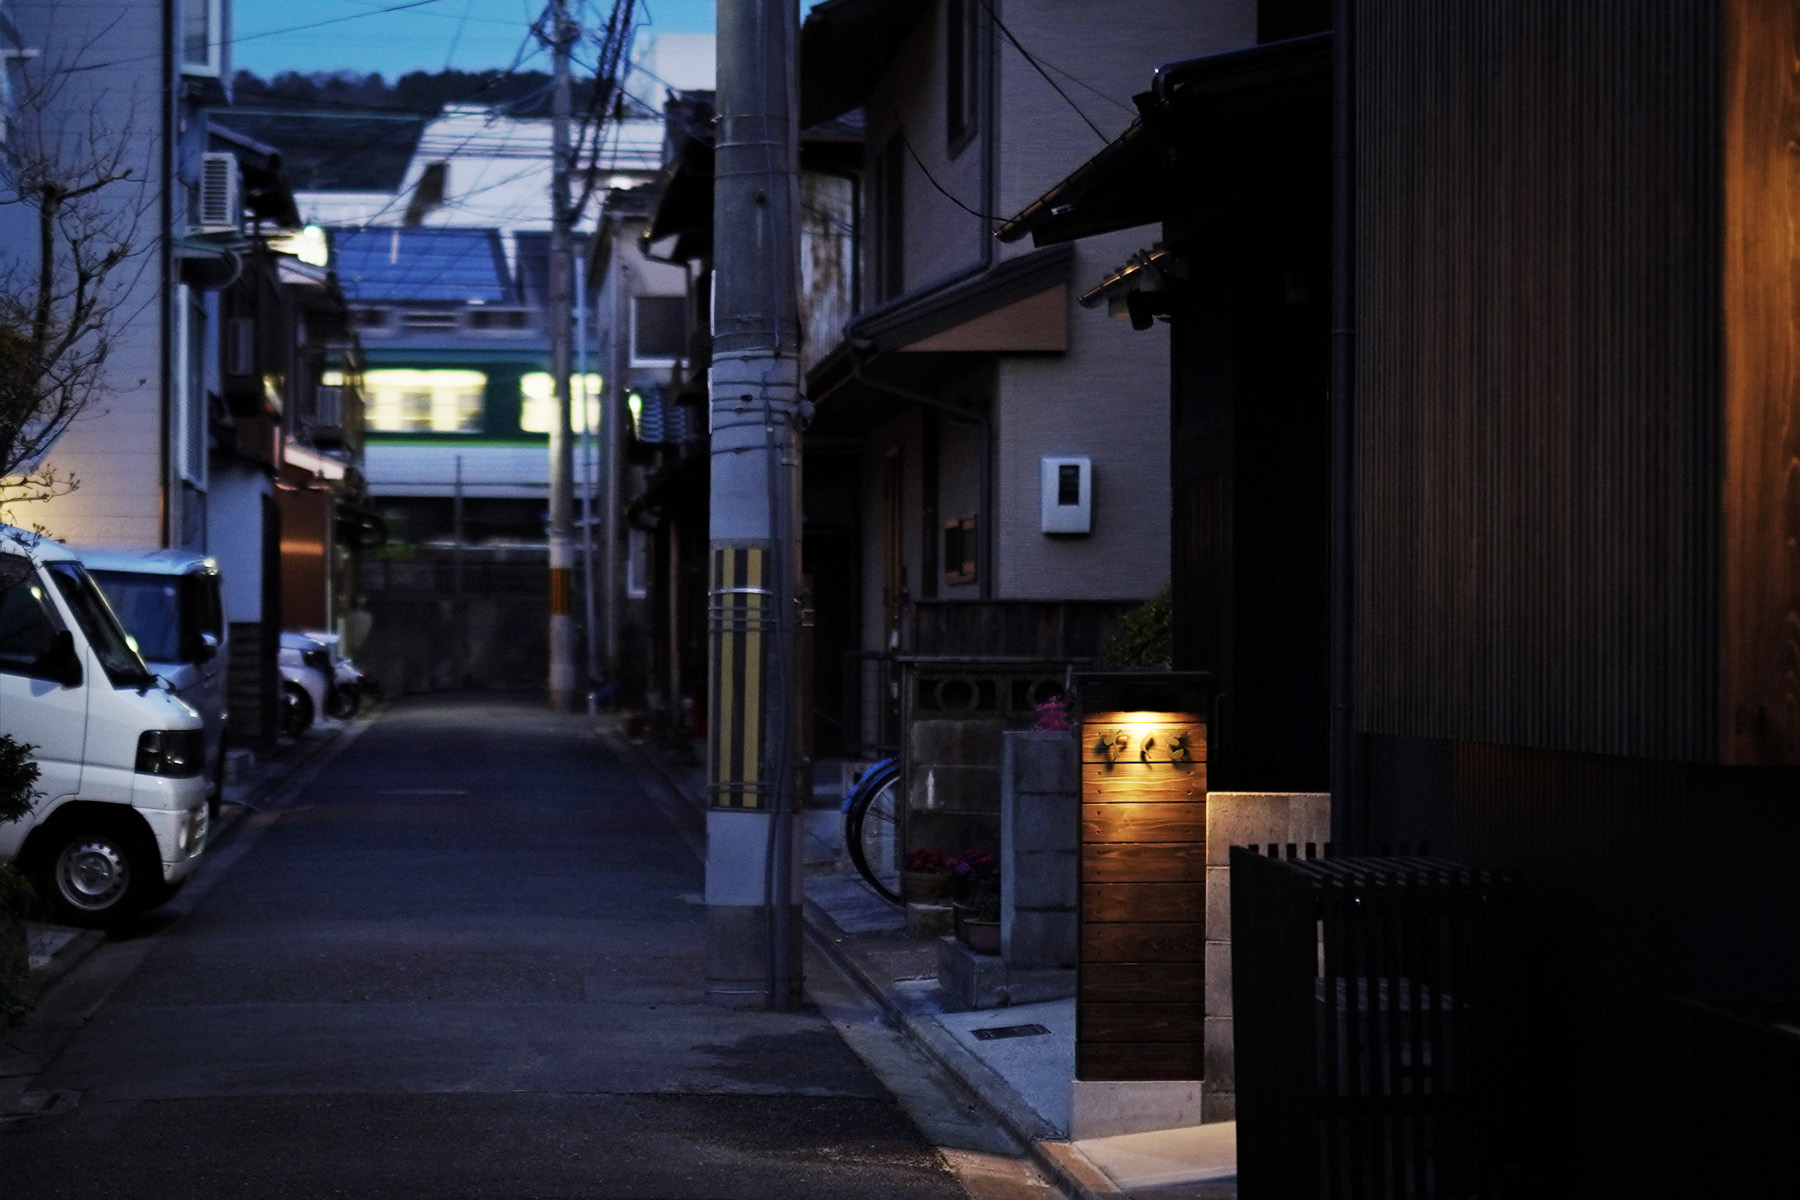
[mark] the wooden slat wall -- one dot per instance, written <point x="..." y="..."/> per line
<point x="1537" y="373"/>
<point x="1762" y="401"/>
<point x="1141" y="1001"/>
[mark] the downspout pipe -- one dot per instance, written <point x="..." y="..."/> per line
<point x="1349" y="817"/>
<point x="171" y="162"/>
<point x="984" y="535"/>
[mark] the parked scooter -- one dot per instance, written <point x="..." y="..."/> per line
<point x="348" y="685"/>
<point x="306" y="682"/>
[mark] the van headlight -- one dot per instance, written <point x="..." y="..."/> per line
<point x="177" y="752"/>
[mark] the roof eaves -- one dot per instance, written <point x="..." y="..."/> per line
<point x="1127" y="183"/>
<point x="846" y="46"/>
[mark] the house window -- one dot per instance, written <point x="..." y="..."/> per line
<point x="658" y="330"/>
<point x="537" y="410"/>
<point x="962" y="72"/>
<point x="501" y="319"/>
<point x="890" y="219"/>
<point x="200" y="38"/>
<point x="423" y="401"/>
<point x="959" y="550"/>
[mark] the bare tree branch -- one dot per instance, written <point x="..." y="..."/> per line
<point x="61" y="293"/>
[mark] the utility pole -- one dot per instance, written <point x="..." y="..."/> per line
<point x="587" y="473"/>
<point x="752" y="896"/>
<point x="560" y="33"/>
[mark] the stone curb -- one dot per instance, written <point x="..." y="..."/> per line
<point x="1067" y="1167"/>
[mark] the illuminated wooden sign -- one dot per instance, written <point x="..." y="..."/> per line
<point x="1140" y="1006"/>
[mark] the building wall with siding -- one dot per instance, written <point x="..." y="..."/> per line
<point x="942" y="235"/>
<point x="116" y="449"/>
<point x="1107" y="399"/>
<point x="1112" y="53"/>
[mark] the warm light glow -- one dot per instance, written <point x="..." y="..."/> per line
<point x="1147" y="718"/>
<point x="537" y="413"/>
<point x="308" y="245"/>
<point x="402" y="400"/>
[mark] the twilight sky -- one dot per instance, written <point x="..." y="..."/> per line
<point x="397" y="36"/>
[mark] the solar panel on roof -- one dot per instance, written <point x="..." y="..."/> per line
<point x="421" y="264"/>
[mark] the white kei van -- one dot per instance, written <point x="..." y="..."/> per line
<point x="120" y="818"/>
<point x="169" y="602"/>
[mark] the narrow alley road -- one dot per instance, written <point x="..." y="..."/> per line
<point x="463" y="961"/>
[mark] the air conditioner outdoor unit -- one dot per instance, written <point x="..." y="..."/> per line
<point x="220" y="210"/>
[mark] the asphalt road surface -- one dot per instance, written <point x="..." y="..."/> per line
<point x="464" y="960"/>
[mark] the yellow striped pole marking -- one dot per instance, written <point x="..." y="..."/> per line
<point x="738" y="611"/>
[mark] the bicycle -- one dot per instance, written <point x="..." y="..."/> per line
<point x="872" y="828"/>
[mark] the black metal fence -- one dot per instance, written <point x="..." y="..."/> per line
<point x="1369" y="998"/>
<point x="1737" y="1079"/>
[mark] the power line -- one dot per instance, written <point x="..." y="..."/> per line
<point x="1039" y="67"/>
<point x="456" y="38"/>
<point x="251" y="37"/>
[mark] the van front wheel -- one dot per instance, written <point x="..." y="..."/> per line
<point x="99" y="875"/>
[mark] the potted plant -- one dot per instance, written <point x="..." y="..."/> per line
<point x="926" y="879"/>
<point x="977" y="884"/>
<point x="18" y="775"/>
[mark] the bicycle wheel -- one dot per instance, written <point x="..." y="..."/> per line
<point x="872" y="828"/>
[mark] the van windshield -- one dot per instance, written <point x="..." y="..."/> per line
<point x="149" y="606"/>
<point x="120" y="662"/>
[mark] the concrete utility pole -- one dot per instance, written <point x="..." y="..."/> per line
<point x="560" y="31"/>
<point x="752" y="896"/>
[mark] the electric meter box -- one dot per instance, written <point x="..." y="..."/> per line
<point x="1068" y="493"/>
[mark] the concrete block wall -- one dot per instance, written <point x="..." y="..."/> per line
<point x="1242" y="819"/>
<point x="1040" y="821"/>
<point x="953" y="784"/>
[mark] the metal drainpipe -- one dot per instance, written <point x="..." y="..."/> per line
<point x="171" y="159"/>
<point x="984" y="575"/>
<point x="1348" y="815"/>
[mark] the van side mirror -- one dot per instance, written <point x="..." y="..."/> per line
<point x="60" y="663"/>
<point x="206" y="648"/>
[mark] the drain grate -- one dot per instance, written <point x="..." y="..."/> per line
<point x="995" y="1032"/>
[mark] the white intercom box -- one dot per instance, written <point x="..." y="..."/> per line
<point x="1068" y="493"/>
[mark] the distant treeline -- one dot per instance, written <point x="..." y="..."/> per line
<point x="526" y="93"/>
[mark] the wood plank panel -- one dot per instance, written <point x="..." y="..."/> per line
<point x="1155" y="1060"/>
<point x="1761" y="277"/>
<point x="1141" y="1022"/>
<point x="1132" y="942"/>
<point x="1144" y="823"/>
<point x="1132" y="902"/>
<point x="1140" y="983"/>
<point x="1143" y="900"/>
<point x="1101" y="784"/>
<point x="1144" y="863"/>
